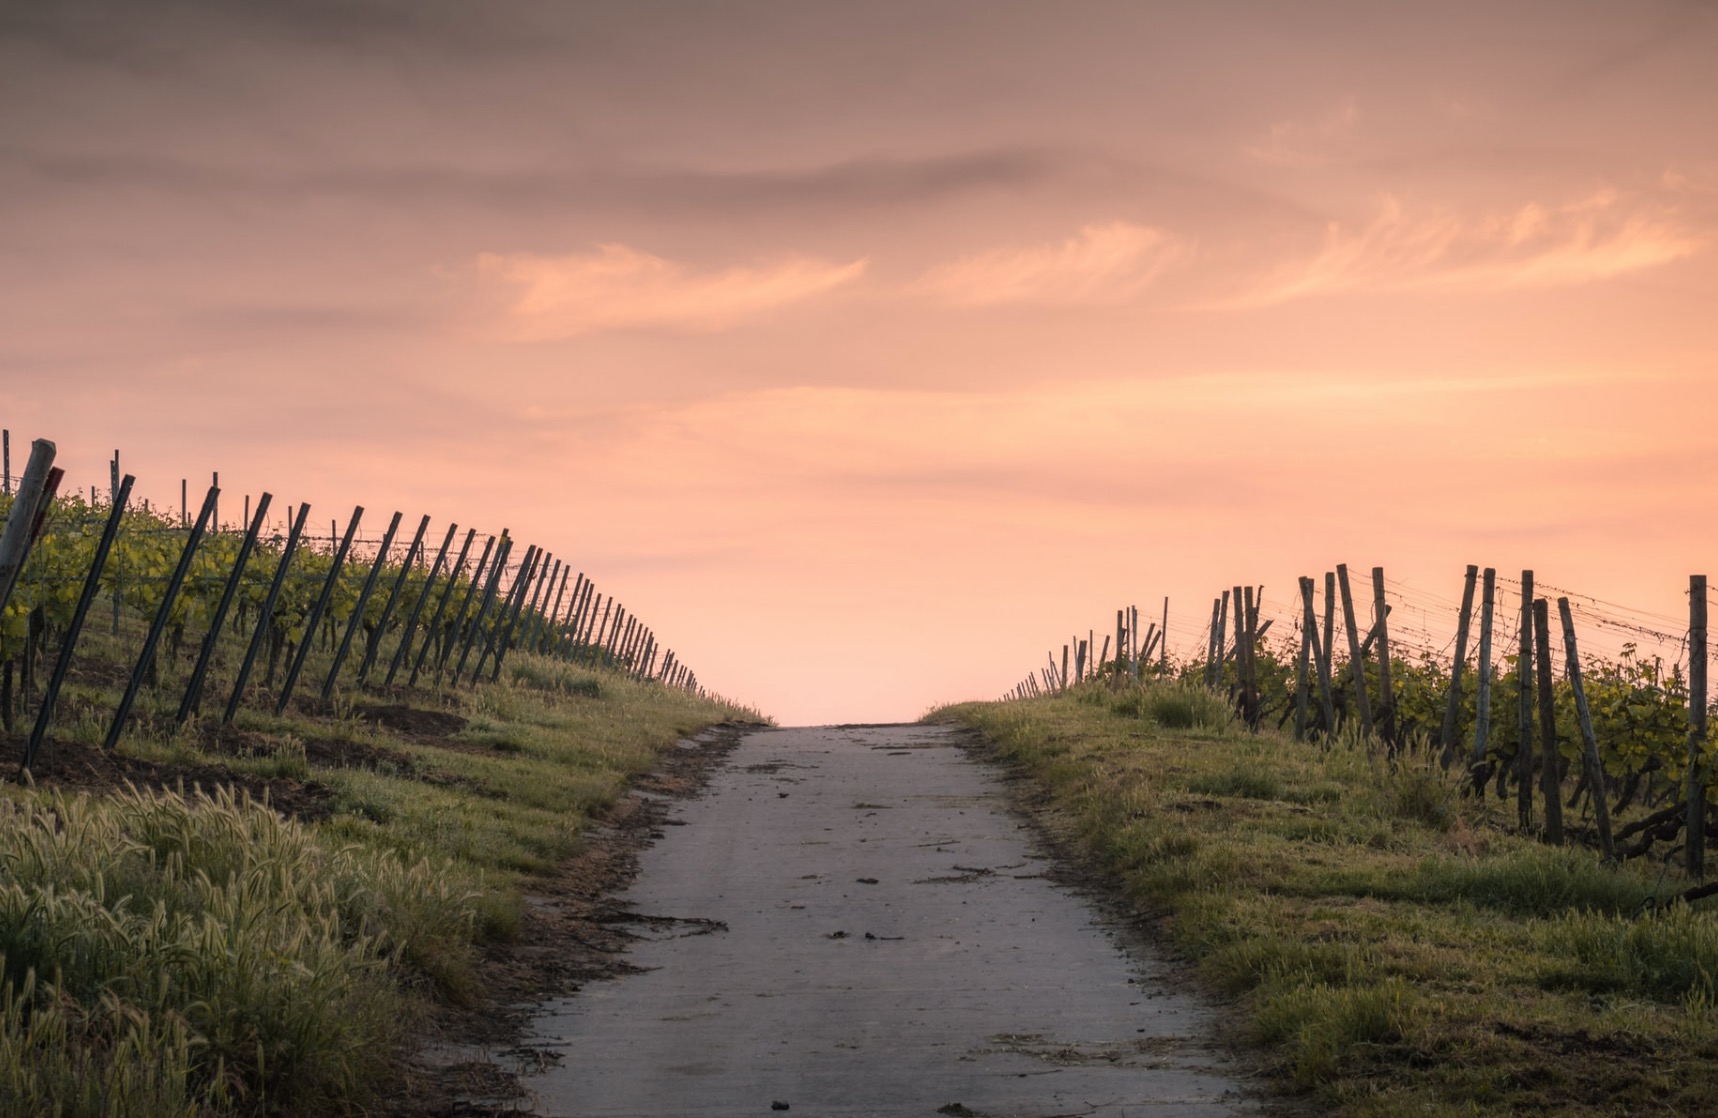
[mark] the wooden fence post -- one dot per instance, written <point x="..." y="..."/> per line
<point x="410" y="628"/>
<point x="1321" y="659"/>
<point x="265" y="617"/>
<point x="533" y="617"/>
<point x="174" y="582"/>
<point x="1551" y="768"/>
<point x="491" y="584"/>
<point x="552" y="616"/>
<point x="1452" y="705"/>
<point x="356" y="621"/>
<point x="92" y="583"/>
<point x="1329" y="630"/>
<point x="1356" y="657"/>
<point x="1524" y="710"/>
<point x="435" y="632"/>
<point x="1250" y="694"/>
<point x="316" y="611"/>
<point x="1163" y="642"/>
<point x="598" y="642"/>
<point x="491" y="639"/>
<point x="1589" y="742"/>
<point x="194" y="689"/>
<point x="374" y="644"/>
<point x="1386" y="688"/>
<point x="1299" y="679"/>
<point x="1121" y="643"/>
<point x="1482" y="700"/>
<point x="20" y="530"/>
<point x="504" y="643"/>
<point x="1696" y="848"/>
<point x="1213" y="643"/>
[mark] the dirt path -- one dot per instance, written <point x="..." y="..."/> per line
<point x="851" y="921"/>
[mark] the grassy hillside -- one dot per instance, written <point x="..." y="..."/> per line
<point x="1392" y="947"/>
<point x="243" y="920"/>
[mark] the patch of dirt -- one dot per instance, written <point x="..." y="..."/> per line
<point x="413" y="722"/>
<point x="343" y="753"/>
<point x="86" y="768"/>
<point x="574" y="932"/>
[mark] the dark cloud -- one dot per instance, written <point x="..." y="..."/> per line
<point x="145" y="33"/>
<point x="876" y="183"/>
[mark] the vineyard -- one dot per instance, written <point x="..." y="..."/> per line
<point x="235" y="618"/>
<point x="276" y="793"/>
<point x="1446" y="856"/>
<point x="1627" y="723"/>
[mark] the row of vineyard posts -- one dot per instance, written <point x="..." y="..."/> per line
<point x="1643" y="736"/>
<point x="449" y="622"/>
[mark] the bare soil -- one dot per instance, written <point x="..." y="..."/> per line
<point x="76" y="766"/>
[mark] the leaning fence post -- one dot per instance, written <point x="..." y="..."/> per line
<point x="315" y="616"/>
<point x="519" y="631"/>
<point x="194" y="689"/>
<point x="409" y="630"/>
<point x="489" y="592"/>
<point x="20" y="530"/>
<point x="1589" y="742"/>
<point x="174" y="582"/>
<point x="92" y="583"/>
<point x="1386" y="689"/>
<point x="1163" y="646"/>
<point x="356" y="621"/>
<point x="447" y="636"/>
<point x="533" y="584"/>
<point x="1696" y="848"/>
<point x="1320" y="657"/>
<point x="1356" y="657"/>
<point x="483" y="591"/>
<point x="265" y="618"/>
<point x="1452" y="705"/>
<point x="551" y="616"/>
<point x="374" y="644"/>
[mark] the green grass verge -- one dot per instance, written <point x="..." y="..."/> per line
<point x="1394" y="949"/>
<point x="199" y="955"/>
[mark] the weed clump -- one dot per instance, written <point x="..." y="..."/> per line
<point x="1175" y="706"/>
<point x="1322" y="1026"/>
<point x="164" y="954"/>
<point x="1669" y="956"/>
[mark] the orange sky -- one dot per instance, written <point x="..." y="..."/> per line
<point x="868" y="350"/>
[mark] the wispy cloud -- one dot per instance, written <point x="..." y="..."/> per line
<point x="1102" y="264"/>
<point x="1535" y="246"/>
<point x="616" y="287"/>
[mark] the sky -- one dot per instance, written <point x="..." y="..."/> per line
<point x="868" y="351"/>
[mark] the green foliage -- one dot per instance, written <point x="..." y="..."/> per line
<point x="1172" y="704"/>
<point x="1669" y="956"/>
<point x="251" y="961"/>
<point x="1319" y="1026"/>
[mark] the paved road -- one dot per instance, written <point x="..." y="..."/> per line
<point x="861" y="927"/>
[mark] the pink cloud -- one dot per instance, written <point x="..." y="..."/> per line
<point x="616" y="287"/>
<point x="1535" y="246"/>
<point x="1108" y="263"/>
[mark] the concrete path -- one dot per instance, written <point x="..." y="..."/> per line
<point x="851" y="922"/>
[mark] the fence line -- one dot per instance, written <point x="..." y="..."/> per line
<point x="176" y="566"/>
